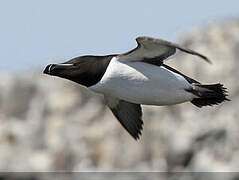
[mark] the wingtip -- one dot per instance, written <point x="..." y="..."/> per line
<point x="209" y="62"/>
<point x="138" y="135"/>
<point x="192" y="52"/>
<point x="137" y="138"/>
<point x="207" y="59"/>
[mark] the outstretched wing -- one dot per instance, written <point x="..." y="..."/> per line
<point x="152" y="49"/>
<point x="128" y="114"/>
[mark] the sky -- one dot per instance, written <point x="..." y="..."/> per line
<point x="34" y="33"/>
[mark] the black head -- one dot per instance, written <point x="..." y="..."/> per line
<point x="85" y="70"/>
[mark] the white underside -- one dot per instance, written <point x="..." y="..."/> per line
<point x="143" y="83"/>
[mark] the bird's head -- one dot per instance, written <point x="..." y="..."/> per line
<point x="84" y="70"/>
<point x="67" y="71"/>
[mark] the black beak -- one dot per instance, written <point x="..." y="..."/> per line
<point x="55" y="69"/>
<point x="49" y="69"/>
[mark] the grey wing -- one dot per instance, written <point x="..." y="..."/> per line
<point x="152" y="49"/>
<point x="128" y="114"/>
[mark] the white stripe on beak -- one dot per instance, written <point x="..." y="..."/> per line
<point x="49" y="68"/>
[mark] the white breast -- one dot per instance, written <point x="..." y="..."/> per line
<point x="143" y="83"/>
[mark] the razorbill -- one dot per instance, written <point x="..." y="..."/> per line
<point x="139" y="77"/>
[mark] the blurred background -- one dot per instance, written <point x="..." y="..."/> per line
<point x="51" y="124"/>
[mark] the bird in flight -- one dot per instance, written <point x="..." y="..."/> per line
<point x="137" y="77"/>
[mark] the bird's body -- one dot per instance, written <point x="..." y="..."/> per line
<point x="143" y="83"/>
<point x="139" y="77"/>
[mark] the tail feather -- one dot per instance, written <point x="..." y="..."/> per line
<point x="209" y="95"/>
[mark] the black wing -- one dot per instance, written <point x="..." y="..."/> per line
<point x="152" y="49"/>
<point x="128" y="114"/>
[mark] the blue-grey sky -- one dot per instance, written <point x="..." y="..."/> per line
<point x="34" y="33"/>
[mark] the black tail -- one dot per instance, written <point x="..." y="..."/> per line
<point x="209" y="95"/>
